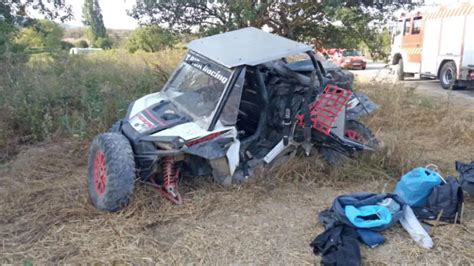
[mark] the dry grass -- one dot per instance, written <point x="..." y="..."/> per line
<point x="45" y="216"/>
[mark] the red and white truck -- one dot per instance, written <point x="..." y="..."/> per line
<point x="436" y="43"/>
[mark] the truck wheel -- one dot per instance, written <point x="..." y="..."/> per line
<point x="447" y="75"/>
<point x="111" y="172"/>
<point x="400" y="74"/>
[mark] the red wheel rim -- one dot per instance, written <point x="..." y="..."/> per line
<point x="352" y="134"/>
<point x="100" y="173"/>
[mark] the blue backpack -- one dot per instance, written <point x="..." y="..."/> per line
<point x="415" y="186"/>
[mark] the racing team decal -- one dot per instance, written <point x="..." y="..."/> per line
<point x="145" y="121"/>
<point x="141" y="123"/>
<point x="208" y="67"/>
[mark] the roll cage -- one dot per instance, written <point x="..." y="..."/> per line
<point x="238" y="71"/>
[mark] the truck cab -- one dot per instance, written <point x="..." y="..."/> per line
<point x="436" y="43"/>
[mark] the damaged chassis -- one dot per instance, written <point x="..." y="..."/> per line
<point x="224" y="113"/>
<point x="160" y="126"/>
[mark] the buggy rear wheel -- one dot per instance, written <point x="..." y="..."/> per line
<point x="111" y="172"/>
<point x="359" y="132"/>
<point x="354" y="131"/>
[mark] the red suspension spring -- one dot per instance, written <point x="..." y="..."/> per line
<point x="169" y="172"/>
<point x="170" y="180"/>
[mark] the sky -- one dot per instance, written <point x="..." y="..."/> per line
<point x="113" y="11"/>
<point x="445" y="2"/>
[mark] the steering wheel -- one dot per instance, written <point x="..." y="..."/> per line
<point x="214" y="83"/>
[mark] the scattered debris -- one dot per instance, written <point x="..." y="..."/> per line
<point x="423" y="188"/>
<point x="338" y="245"/>
<point x="353" y="217"/>
<point x="411" y="224"/>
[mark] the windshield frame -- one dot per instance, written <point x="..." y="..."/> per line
<point x="208" y="122"/>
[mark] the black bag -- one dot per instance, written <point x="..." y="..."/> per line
<point x="466" y="176"/>
<point x="448" y="198"/>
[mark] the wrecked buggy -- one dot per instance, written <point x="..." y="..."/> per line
<point x="234" y="103"/>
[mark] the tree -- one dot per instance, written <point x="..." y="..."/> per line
<point x="41" y="34"/>
<point x="181" y="16"/>
<point x="82" y="44"/>
<point x="150" y="39"/>
<point x="328" y="21"/>
<point x="6" y="34"/>
<point x="13" y="13"/>
<point x="92" y="16"/>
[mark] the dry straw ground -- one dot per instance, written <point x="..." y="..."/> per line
<point x="45" y="216"/>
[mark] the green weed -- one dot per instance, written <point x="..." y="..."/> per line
<point x="65" y="95"/>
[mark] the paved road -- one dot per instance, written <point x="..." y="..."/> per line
<point x="377" y="71"/>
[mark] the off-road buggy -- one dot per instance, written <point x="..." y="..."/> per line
<point x="234" y="103"/>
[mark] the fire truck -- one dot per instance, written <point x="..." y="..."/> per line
<point x="436" y="43"/>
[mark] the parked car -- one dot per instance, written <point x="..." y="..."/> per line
<point x="350" y="59"/>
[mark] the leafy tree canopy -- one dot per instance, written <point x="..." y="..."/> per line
<point x="332" y="22"/>
<point x="14" y="13"/>
<point x="150" y="39"/>
<point x="41" y="34"/>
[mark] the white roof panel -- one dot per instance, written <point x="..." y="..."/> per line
<point x="247" y="46"/>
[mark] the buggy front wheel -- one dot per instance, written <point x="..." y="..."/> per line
<point x="111" y="172"/>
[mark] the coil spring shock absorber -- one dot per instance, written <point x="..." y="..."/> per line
<point x="169" y="189"/>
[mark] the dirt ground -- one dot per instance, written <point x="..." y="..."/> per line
<point x="45" y="215"/>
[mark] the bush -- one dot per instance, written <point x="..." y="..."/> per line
<point x="103" y="43"/>
<point x="66" y="45"/>
<point x="57" y="94"/>
<point x="82" y="44"/>
<point x="150" y="39"/>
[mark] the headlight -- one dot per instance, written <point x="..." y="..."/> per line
<point x="347" y="61"/>
<point x="169" y="143"/>
<point x="164" y="145"/>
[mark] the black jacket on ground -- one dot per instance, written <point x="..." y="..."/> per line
<point x="338" y="245"/>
